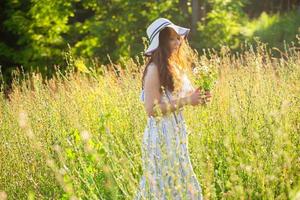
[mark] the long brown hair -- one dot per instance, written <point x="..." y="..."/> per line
<point x="162" y="58"/>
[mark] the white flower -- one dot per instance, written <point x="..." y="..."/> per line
<point x="196" y="70"/>
<point x="205" y="68"/>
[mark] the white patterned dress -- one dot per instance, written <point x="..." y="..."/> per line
<point x="167" y="169"/>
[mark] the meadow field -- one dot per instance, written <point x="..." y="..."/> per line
<point x="78" y="135"/>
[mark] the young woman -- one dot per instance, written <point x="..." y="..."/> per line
<point x="166" y="89"/>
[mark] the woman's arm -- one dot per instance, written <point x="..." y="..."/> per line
<point x="172" y="105"/>
<point x="153" y="105"/>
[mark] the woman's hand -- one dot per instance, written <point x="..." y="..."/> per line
<point x="197" y="98"/>
<point x="207" y="96"/>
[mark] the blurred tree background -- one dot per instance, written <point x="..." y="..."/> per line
<point x="35" y="34"/>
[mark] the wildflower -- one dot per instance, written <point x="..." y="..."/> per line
<point x="85" y="135"/>
<point x="206" y="77"/>
<point x="196" y="70"/>
<point x="79" y="64"/>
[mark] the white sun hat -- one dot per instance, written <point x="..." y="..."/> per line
<point x="153" y="33"/>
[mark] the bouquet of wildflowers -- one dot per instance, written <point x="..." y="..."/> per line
<point x="205" y="77"/>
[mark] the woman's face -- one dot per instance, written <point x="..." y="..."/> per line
<point x="175" y="41"/>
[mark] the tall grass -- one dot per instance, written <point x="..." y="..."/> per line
<point x="78" y="135"/>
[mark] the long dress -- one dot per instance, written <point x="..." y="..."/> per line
<point x="167" y="169"/>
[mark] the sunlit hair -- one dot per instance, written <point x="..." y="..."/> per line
<point x="163" y="59"/>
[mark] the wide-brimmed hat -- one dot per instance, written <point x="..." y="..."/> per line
<point x="153" y="33"/>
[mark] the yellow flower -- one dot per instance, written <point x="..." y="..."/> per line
<point x="79" y="64"/>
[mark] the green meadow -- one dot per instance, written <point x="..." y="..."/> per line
<point x="78" y="135"/>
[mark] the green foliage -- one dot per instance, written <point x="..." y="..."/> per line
<point x="274" y="28"/>
<point x="222" y="25"/>
<point x="39" y="27"/>
<point x="227" y="24"/>
<point x="92" y="28"/>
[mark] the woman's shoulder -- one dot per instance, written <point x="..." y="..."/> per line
<point x="152" y="67"/>
<point x="152" y="64"/>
